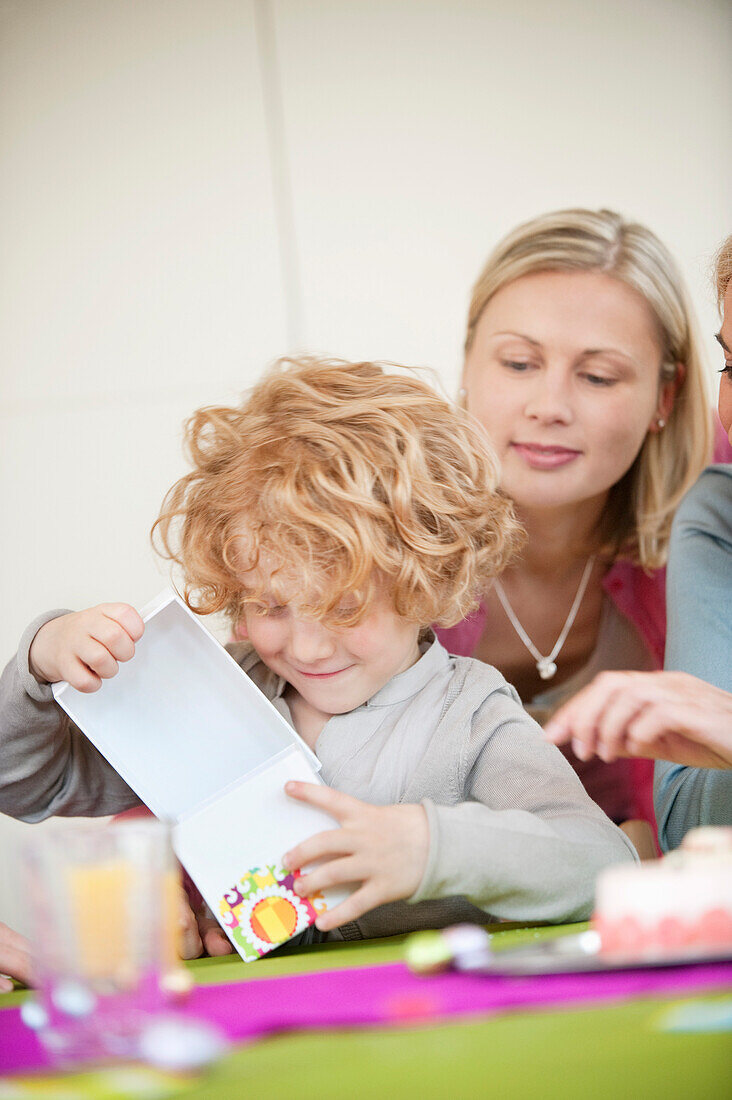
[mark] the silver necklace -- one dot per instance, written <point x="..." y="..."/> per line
<point x="546" y="666"/>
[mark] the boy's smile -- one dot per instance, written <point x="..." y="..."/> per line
<point x="324" y="675"/>
<point x="330" y="670"/>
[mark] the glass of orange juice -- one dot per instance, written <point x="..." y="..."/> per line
<point x="103" y="908"/>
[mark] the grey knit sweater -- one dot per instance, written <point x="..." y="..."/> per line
<point x="512" y="833"/>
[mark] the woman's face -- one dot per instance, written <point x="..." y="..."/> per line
<point x="725" y="382"/>
<point x="564" y="374"/>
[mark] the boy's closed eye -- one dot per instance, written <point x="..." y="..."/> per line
<point x="270" y="610"/>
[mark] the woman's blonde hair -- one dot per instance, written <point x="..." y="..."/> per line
<point x="723" y="269"/>
<point x="343" y="476"/>
<point x="641" y="505"/>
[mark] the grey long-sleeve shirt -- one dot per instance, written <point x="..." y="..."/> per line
<point x="512" y="832"/>
<point x="699" y="641"/>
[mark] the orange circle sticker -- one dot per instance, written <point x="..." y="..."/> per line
<point x="274" y="919"/>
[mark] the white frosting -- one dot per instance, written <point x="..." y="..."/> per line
<point x="708" y="839"/>
<point x="684" y="888"/>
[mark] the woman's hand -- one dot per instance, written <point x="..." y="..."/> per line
<point x="85" y="647"/>
<point x="383" y="848"/>
<point x="660" y="715"/>
<point x="15" y="958"/>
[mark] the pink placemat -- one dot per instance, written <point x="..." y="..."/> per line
<point x="387" y="996"/>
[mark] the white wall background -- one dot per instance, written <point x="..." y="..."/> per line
<point x="190" y="188"/>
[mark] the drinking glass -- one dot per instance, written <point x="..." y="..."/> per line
<point x="103" y="907"/>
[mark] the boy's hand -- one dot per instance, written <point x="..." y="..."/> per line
<point x="199" y="932"/>
<point x="85" y="647"/>
<point x="384" y="848"/>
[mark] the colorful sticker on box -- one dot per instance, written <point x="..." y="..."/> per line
<point x="263" y="911"/>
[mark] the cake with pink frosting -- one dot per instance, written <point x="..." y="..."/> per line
<point x="678" y="905"/>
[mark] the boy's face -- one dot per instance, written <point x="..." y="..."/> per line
<point x="333" y="669"/>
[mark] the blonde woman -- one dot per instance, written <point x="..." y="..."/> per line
<point x="681" y="717"/>
<point x="583" y="364"/>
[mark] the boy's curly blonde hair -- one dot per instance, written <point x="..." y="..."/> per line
<point x="346" y="477"/>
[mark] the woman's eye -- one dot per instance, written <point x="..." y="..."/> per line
<point x="727" y="369"/>
<point x="516" y="364"/>
<point x="599" y="379"/>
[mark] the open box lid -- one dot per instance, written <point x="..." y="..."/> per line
<point x="180" y="721"/>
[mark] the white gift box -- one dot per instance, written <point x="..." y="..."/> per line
<point x="201" y="745"/>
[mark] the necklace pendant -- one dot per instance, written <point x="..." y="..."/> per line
<point x="546" y="668"/>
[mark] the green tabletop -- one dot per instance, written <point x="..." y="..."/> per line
<point x="614" y="1051"/>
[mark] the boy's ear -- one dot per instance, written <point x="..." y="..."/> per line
<point x="241" y="634"/>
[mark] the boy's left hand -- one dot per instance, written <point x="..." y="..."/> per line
<point x="199" y="932"/>
<point x="384" y="848"/>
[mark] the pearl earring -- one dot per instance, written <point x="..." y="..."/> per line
<point x="660" y="423"/>
<point x="462" y="393"/>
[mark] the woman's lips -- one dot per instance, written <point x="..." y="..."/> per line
<point x="544" y="457"/>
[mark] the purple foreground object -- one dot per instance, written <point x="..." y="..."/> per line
<point x="386" y="996"/>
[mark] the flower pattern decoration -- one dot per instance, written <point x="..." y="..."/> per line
<point x="262" y="911"/>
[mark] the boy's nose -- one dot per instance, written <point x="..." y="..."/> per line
<point x="310" y="641"/>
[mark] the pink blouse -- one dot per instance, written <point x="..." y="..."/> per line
<point x="624" y="789"/>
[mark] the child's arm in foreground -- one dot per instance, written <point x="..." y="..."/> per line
<point x="49" y="767"/>
<point x="525" y="843"/>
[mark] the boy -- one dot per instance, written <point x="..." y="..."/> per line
<point x="334" y="515"/>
